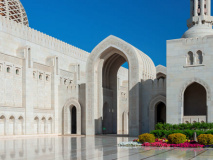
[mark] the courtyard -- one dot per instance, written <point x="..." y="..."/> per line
<point x="90" y="147"/>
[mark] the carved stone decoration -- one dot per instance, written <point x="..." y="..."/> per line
<point x="66" y="113"/>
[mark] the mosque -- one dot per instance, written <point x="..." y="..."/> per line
<point x="50" y="87"/>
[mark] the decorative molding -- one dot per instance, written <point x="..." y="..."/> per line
<point x="41" y="39"/>
<point x="189" y="82"/>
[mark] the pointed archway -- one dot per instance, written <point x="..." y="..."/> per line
<point x="140" y="67"/>
<point x="72" y="117"/>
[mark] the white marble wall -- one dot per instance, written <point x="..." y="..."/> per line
<point x="180" y="74"/>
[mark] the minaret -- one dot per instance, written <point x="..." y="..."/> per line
<point x="200" y="10"/>
<point x="200" y="21"/>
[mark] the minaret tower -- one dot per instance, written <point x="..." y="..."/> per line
<point x="200" y="21"/>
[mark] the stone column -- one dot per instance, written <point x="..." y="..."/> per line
<point x="208" y="7"/>
<point x="55" y="82"/>
<point x="195" y="7"/>
<point x="28" y="91"/>
<point x="202" y="7"/>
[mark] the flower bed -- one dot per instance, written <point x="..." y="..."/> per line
<point x="164" y="143"/>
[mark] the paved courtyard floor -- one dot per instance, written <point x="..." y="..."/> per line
<point x="90" y="147"/>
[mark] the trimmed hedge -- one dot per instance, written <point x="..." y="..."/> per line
<point x="176" y="138"/>
<point x="205" y="139"/>
<point x="183" y="126"/>
<point x="146" y="137"/>
<point x="188" y="133"/>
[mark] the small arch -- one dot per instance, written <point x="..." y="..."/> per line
<point x="40" y="76"/>
<point x="125" y="123"/>
<point x="49" y="125"/>
<point x="43" y="125"/>
<point x="190" y="58"/>
<point x="34" y="74"/>
<point x="67" y="116"/>
<point x="8" y="69"/>
<point x="20" y="125"/>
<point x="47" y="78"/>
<point x="152" y="110"/>
<point x="17" y="72"/>
<point x="36" y="125"/>
<point x="199" y="57"/>
<point x="2" y="125"/>
<point x="11" y="125"/>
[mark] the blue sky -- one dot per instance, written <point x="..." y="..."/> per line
<point x="146" y="24"/>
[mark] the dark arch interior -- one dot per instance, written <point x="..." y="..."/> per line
<point x="109" y="82"/>
<point x="73" y="120"/>
<point x="107" y="119"/>
<point x="161" y="113"/>
<point x="195" y="100"/>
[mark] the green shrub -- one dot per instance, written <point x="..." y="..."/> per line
<point x="159" y="126"/>
<point x="146" y="137"/>
<point x="205" y="139"/>
<point x="188" y="133"/>
<point x="176" y="138"/>
<point x="183" y="126"/>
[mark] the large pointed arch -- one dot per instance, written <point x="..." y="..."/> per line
<point x="136" y="60"/>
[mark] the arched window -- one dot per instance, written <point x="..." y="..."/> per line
<point x="195" y="100"/>
<point x="17" y="71"/>
<point x="40" y="76"/>
<point x="199" y="57"/>
<point x="47" y="77"/>
<point x="190" y="58"/>
<point x="8" y="69"/>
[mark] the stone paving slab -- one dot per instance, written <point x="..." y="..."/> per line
<point x="91" y="148"/>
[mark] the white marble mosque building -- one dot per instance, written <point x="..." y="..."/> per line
<point x="50" y="87"/>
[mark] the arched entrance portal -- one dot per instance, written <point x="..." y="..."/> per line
<point x="72" y="117"/>
<point x="160" y="113"/>
<point x="102" y="67"/>
<point x="195" y="103"/>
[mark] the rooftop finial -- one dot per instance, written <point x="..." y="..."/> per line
<point x="200" y="21"/>
<point x="200" y="9"/>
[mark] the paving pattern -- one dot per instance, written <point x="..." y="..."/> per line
<point x="90" y="148"/>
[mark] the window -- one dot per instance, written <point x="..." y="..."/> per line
<point x="47" y="77"/>
<point x="34" y="74"/>
<point x="8" y="69"/>
<point x="40" y="76"/>
<point x="190" y="58"/>
<point x="65" y="81"/>
<point x="17" y="72"/>
<point x="199" y="57"/>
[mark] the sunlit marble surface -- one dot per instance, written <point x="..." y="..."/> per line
<point x="97" y="148"/>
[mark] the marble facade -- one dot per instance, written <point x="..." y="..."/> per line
<point x="51" y="87"/>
